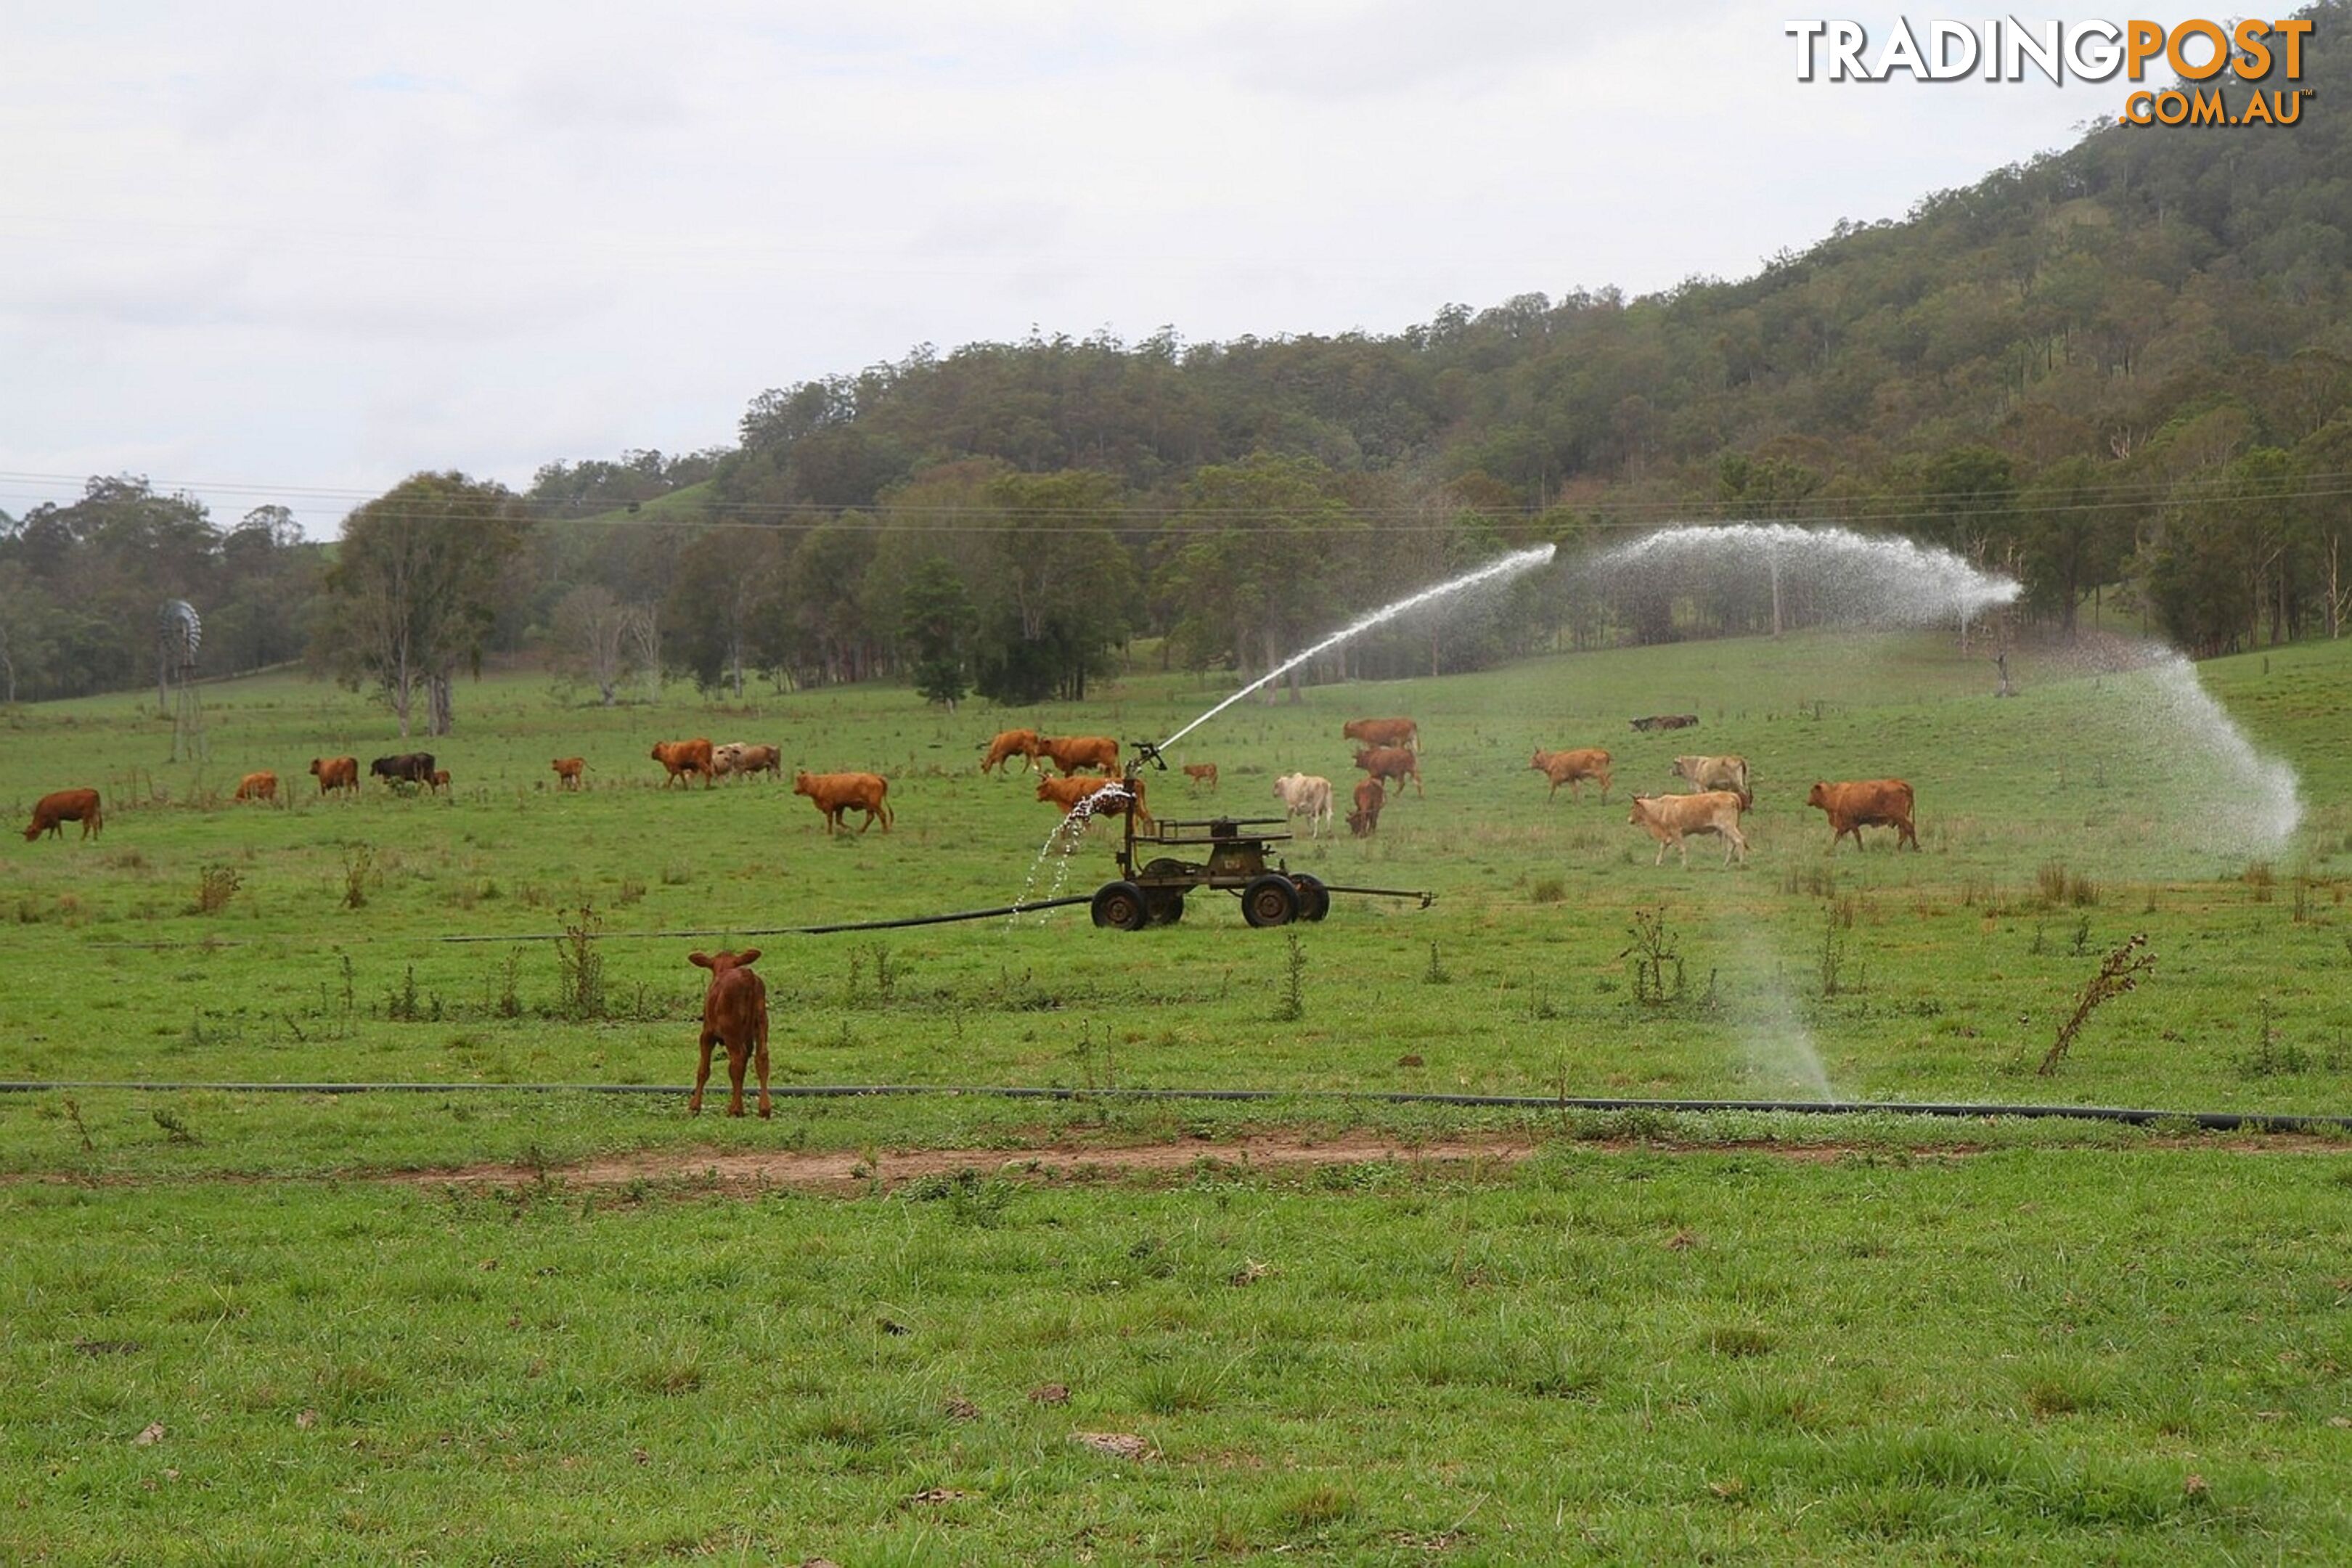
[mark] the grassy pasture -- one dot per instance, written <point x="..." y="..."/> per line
<point x="2037" y="1343"/>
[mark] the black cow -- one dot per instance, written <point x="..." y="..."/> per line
<point x="1667" y="722"/>
<point x="415" y="767"/>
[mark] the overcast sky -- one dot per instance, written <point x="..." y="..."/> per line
<point x="270" y="255"/>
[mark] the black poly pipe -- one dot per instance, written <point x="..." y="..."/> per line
<point x="796" y="931"/>
<point x="2205" y="1121"/>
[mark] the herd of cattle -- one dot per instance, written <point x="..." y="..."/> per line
<point x="1387" y="753"/>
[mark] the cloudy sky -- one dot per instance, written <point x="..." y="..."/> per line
<point x="270" y="255"/>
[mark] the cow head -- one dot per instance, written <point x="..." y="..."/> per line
<point x="1819" y="796"/>
<point x="801" y="782"/>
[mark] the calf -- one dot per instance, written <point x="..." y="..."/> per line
<point x="336" y="773"/>
<point x="262" y="786"/>
<point x="1371" y="795"/>
<point x="1008" y="744"/>
<point x="54" y="810"/>
<point x="1713" y="773"/>
<point x="1671" y="818"/>
<point x="1071" y="753"/>
<point x="440" y="780"/>
<point x="567" y="771"/>
<point x="1869" y="803"/>
<point x="684" y="759"/>
<point x="409" y="767"/>
<point x="1572" y="768"/>
<point x="1307" y="796"/>
<point x="1391" y="764"/>
<point x="837" y="795"/>
<point x="1382" y="733"/>
<point x="1110" y="797"/>
<point x="1201" y="773"/>
<point x="734" y="1014"/>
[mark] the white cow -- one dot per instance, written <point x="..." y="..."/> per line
<point x="1305" y="794"/>
<point x="1670" y="819"/>
<point x="1713" y="773"/>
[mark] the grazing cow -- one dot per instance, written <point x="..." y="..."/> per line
<point x="1008" y="744"/>
<point x="1391" y="764"/>
<point x="1382" y="733"/>
<point x="1671" y="818"/>
<point x="1065" y="794"/>
<point x="1870" y="802"/>
<point x="54" y="810"/>
<point x="440" y="780"/>
<point x="1713" y="773"/>
<point x="1667" y="722"/>
<point x="1071" y="753"/>
<point x="567" y="771"/>
<point x="336" y="773"/>
<point x="1371" y="795"/>
<point x="409" y="767"/>
<point x="734" y="1014"/>
<point x="1572" y="768"/>
<point x="684" y="759"/>
<point x="1201" y="773"/>
<point x="837" y="795"/>
<point x="262" y="786"/>
<point x="1306" y="795"/>
<point x="754" y="758"/>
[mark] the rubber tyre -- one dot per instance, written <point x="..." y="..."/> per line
<point x="1270" y="901"/>
<point x="1119" y="906"/>
<point x="1165" y="906"/>
<point x="1314" y="897"/>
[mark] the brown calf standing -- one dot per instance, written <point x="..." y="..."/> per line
<point x="441" y="780"/>
<point x="52" y="811"/>
<point x="735" y="1014"/>
<point x="567" y="771"/>
<point x="1201" y="773"/>
<point x="1371" y="795"/>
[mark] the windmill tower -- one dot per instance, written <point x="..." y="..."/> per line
<point x="179" y="631"/>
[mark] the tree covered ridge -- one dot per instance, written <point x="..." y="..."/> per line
<point x="2119" y="370"/>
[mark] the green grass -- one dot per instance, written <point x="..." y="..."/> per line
<point x="1898" y="1355"/>
<point x="1599" y="1357"/>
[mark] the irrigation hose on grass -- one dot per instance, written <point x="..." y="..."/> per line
<point x="2131" y="1116"/>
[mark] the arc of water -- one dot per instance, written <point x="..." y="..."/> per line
<point x="1509" y="565"/>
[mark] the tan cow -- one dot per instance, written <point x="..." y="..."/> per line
<point x="1306" y="795"/>
<point x="1671" y="818"/>
<point x="262" y="786"/>
<point x="1123" y="796"/>
<point x="1713" y="773"/>
<point x="1868" y="803"/>
<point x="1572" y="768"/>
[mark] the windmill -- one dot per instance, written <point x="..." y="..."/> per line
<point x="179" y="631"/>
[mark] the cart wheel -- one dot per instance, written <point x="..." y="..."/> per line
<point x="1120" y="905"/>
<point x="1165" y="906"/>
<point x="1314" y="897"/>
<point x="1270" y="901"/>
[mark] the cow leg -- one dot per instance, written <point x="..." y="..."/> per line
<point x="1909" y="834"/>
<point x="739" y="1054"/>
<point x="701" y="1077"/>
<point x="760" y="1060"/>
<point x="1416" y="785"/>
<point x="1661" y="857"/>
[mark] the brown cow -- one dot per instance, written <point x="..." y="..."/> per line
<point x="1371" y="795"/>
<point x="837" y="795"/>
<point x="336" y="773"/>
<point x="1869" y="803"/>
<point x="684" y="759"/>
<point x="1670" y="818"/>
<point x="262" y="786"/>
<point x="1071" y="753"/>
<point x="567" y="771"/>
<point x="1201" y="773"/>
<point x="752" y="758"/>
<point x="54" y="810"/>
<point x="1377" y="733"/>
<point x="1065" y="794"/>
<point x="734" y="1014"/>
<point x="1572" y="768"/>
<point x="1008" y="744"/>
<point x="440" y="780"/>
<point x="1391" y="764"/>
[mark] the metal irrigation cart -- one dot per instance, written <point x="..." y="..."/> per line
<point x="1159" y="865"/>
